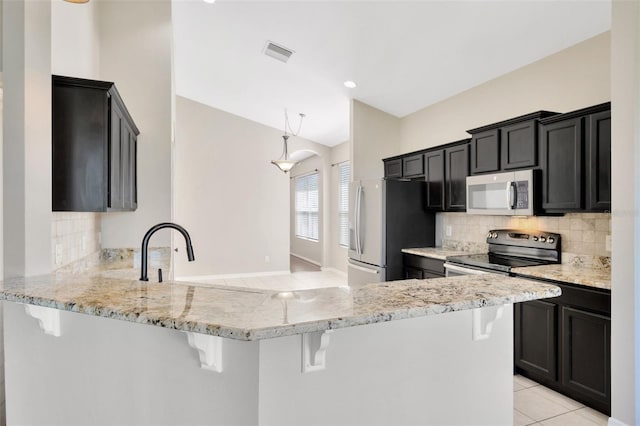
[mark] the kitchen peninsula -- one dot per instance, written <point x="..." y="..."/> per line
<point x="90" y="349"/>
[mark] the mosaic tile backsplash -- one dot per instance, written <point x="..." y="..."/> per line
<point x="584" y="235"/>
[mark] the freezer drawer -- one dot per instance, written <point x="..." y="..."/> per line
<point x="362" y="273"/>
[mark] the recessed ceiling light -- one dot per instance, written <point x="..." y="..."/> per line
<point x="350" y="84"/>
<point x="209" y="1"/>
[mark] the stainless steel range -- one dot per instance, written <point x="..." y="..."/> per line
<point x="508" y="248"/>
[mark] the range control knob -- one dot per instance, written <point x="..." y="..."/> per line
<point x="551" y="240"/>
<point x="534" y="238"/>
<point x="543" y="239"/>
<point x="494" y="235"/>
<point x="489" y="235"/>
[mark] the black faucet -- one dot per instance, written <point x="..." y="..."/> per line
<point x="145" y="245"/>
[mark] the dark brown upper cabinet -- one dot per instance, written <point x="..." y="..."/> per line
<point x="457" y="170"/>
<point x="413" y="166"/>
<point x="575" y="157"/>
<point x="434" y="164"/>
<point x="506" y="145"/>
<point x="94" y="147"/>
<point x="393" y="168"/>
<point x="485" y="152"/>
<point x="598" y="171"/>
<point x="443" y="168"/>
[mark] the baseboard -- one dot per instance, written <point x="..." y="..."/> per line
<point x="614" y="422"/>
<point x="306" y="259"/>
<point x="334" y="270"/>
<point x="197" y="278"/>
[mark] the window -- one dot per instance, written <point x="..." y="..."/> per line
<point x="344" y="174"/>
<point x="307" y="206"/>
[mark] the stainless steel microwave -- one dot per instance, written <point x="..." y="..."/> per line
<point x="506" y="194"/>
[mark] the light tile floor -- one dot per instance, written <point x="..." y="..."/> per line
<point x="534" y="404"/>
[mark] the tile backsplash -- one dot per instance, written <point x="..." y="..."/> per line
<point x="74" y="236"/>
<point x="583" y="234"/>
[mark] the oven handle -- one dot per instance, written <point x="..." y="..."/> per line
<point x="463" y="270"/>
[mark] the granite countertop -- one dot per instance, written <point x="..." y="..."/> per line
<point x="581" y="275"/>
<point x="433" y="252"/>
<point x="249" y="314"/>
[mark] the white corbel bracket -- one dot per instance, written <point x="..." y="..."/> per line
<point x="483" y="319"/>
<point x="48" y="319"/>
<point x="209" y="350"/>
<point x="314" y="350"/>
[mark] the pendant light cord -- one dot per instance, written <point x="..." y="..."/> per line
<point x="287" y="125"/>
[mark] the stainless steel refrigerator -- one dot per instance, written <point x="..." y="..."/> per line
<point x="385" y="216"/>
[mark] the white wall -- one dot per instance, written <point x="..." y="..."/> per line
<point x="374" y="136"/>
<point x="27" y="124"/>
<point x="625" y="238"/>
<point x="232" y="200"/>
<point x="574" y="78"/>
<point x="338" y="255"/>
<point x="136" y="53"/>
<point x="75" y="42"/>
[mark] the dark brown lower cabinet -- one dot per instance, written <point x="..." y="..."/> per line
<point x="420" y="267"/>
<point x="535" y="339"/>
<point x="564" y="343"/>
<point x="586" y="364"/>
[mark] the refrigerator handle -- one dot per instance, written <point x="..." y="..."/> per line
<point x="357" y="215"/>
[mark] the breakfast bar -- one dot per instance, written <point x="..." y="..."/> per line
<point x="92" y="349"/>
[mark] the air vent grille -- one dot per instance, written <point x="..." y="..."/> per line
<point x="277" y="52"/>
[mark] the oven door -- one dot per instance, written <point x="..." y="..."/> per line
<point x="453" y="270"/>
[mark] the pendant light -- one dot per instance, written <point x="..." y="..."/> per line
<point x="284" y="163"/>
<point x="77" y="1"/>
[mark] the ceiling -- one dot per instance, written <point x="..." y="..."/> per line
<point x="404" y="55"/>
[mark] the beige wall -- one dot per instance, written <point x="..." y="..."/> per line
<point x="625" y="238"/>
<point x="135" y="53"/>
<point x="374" y="135"/>
<point x="232" y="200"/>
<point x="571" y="79"/>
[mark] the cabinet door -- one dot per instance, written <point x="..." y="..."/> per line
<point x="562" y="152"/>
<point x="134" y="171"/>
<point x="457" y="170"/>
<point x="413" y="166"/>
<point x="598" y="166"/>
<point x="434" y="177"/>
<point x="393" y="168"/>
<point x="485" y="152"/>
<point x="586" y="348"/>
<point x="518" y="145"/>
<point x="535" y="338"/>
<point x="116" y="141"/>
<point x="126" y="167"/>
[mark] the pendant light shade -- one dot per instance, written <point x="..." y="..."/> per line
<point x="284" y="163"/>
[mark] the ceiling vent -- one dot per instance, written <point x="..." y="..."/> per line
<point x="277" y="52"/>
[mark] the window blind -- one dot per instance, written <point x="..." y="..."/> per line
<point x="307" y="220"/>
<point x="344" y="175"/>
